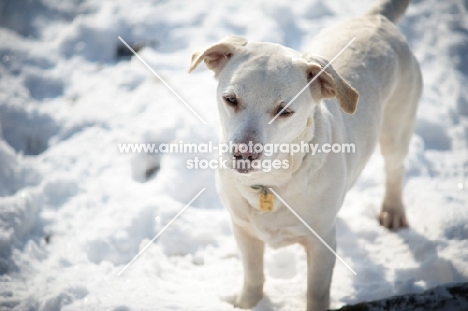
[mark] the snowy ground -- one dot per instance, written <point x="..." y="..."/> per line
<point x="74" y="211"/>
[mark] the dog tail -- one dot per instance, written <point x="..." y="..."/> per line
<point x="391" y="9"/>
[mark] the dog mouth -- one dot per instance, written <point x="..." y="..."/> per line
<point x="244" y="171"/>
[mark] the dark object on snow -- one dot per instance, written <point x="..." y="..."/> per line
<point x="449" y="297"/>
<point x="123" y="51"/>
<point x="47" y="238"/>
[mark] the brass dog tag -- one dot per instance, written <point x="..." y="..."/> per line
<point x="266" y="199"/>
<point x="266" y="202"/>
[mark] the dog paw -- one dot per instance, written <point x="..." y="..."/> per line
<point x="247" y="301"/>
<point x="393" y="219"/>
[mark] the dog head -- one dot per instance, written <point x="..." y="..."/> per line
<point x="257" y="81"/>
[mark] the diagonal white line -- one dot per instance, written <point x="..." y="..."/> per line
<point x="162" y="230"/>
<point x="313" y="231"/>
<point x="313" y="79"/>
<point x="164" y="82"/>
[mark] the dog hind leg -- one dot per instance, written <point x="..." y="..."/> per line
<point x="397" y="127"/>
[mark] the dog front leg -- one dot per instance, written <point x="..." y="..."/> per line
<point x="320" y="263"/>
<point x="251" y="251"/>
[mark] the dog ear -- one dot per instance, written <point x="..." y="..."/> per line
<point x="216" y="56"/>
<point x="330" y="84"/>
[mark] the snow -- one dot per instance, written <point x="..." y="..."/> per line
<point x="74" y="211"/>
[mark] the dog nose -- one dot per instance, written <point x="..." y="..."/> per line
<point x="246" y="152"/>
<point x="246" y="155"/>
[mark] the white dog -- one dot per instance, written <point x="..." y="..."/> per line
<point x="257" y="80"/>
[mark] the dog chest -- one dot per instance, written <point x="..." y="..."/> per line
<point x="277" y="228"/>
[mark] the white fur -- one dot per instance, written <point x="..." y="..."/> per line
<point x="380" y="66"/>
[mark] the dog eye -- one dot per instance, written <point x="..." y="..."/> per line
<point x="286" y="113"/>
<point x="231" y="101"/>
